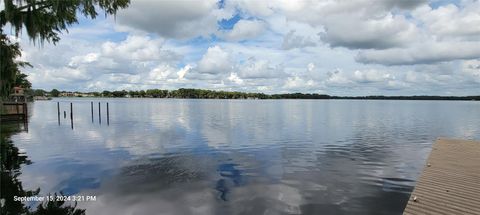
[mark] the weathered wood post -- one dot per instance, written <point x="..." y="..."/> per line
<point x="71" y="114"/>
<point x="25" y="112"/>
<point x="108" y="115"/>
<point x="99" y="114"/>
<point x="91" y="106"/>
<point x="58" y="112"/>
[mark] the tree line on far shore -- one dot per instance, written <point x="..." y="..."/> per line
<point x="212" y="94"/>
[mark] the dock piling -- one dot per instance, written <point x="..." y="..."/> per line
<point x="99" y="114"/>
<point x="91" y="106"/>
<point x="108" y="115"/>
<point x="58" y="112"/>
<point x="25" y="112"/>
<point x="71" y="114"/>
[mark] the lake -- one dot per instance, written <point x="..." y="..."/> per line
<point x="183" y="156"/>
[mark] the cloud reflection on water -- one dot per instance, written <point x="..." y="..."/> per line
<point x="240" y="157"/>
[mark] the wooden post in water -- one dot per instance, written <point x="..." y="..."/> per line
<point x="99" y="114"/>
<point x="58" y="112"/>
<point x="71" y="114"/>
<point x="91" y="105"/>
<point x="108" y="115"/>
<point x="25" y="112"/>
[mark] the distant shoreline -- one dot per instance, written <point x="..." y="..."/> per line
<point x="186" y="93"/>
<point x="397" y="98"/>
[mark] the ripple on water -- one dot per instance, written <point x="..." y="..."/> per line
<point x="234" y="157"/>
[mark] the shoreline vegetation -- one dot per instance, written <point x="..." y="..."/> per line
<point x="189" y="93"/>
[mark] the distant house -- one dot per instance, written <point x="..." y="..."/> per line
<point x="76" y="94"/>
<point x="67" y="94"/>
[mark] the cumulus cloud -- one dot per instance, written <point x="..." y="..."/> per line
<point x="426" y="53"/>
<point x="254" y="68"/>
<point x="472" y="69"/>
<point x="379" y="33"/>
<point x="254" y="8"/>
<point x="356" y="24"/>
<point x="136" y="48"/>
<point x="171" y="19"/>
<point x="450" y="32"/>
<point x="182" y="72"/>
<point x="291" y="41"/>
<point x="369" y="76"/>
<point x="162" y="72"/>
<point x="245" y="29"/>
<point x="215" y="61"/>
<point x="337" y="78"/>
<point x="451" y="21"/>
<point x="336" y="47"/>
<point x="300" y="84"/>
<point x="235" y="79"/>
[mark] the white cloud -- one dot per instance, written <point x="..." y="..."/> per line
<point x="451" y="21"/>
<point x="162" y="72"/>
<point x="472" y="69"/>
<point x="425" y="53"/>
<point x="406" y="47"/>
<point x="337" y="78"/>
<point x="172" y="19"/>
<point x="291" y="41"/>
<point x="369" y="76"/>
<point x="182" y="72"/>
<point x="235" y="79"/>
<point x="356" y="24"/>
<point x="136" y="48"/>
<point x="355" y="32"/>
<point x="215" y="61"/>
<point x="254" y="8"/>
<point x="254" y="68"/>
<point x="245" y="29"/>
<point x="299" y="84"/>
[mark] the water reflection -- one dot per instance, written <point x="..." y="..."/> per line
<point x="230" y="177"/>
<point x="168" y="156"/>
<point x="12" y="160"/>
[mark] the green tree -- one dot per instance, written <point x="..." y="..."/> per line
<point x="43" y="20"/>
<point x="142" y="93"/>
<point x="106" y="93"/>
<point x="55" y="93"/>
<point x="10" y="66"/>
<point x="119" y="93"/>
<point x="39" y="92"/>
<point x="22" y="81"/>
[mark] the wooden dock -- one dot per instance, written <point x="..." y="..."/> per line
<point x="450" y="181"/>
<point x="13" y="111"/>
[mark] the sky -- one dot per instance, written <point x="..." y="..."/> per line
<point x="343" y="47"/>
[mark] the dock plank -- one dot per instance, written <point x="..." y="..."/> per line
<point x="450" y="181"/>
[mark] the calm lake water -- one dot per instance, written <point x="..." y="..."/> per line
<point x="174" y="156"/>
